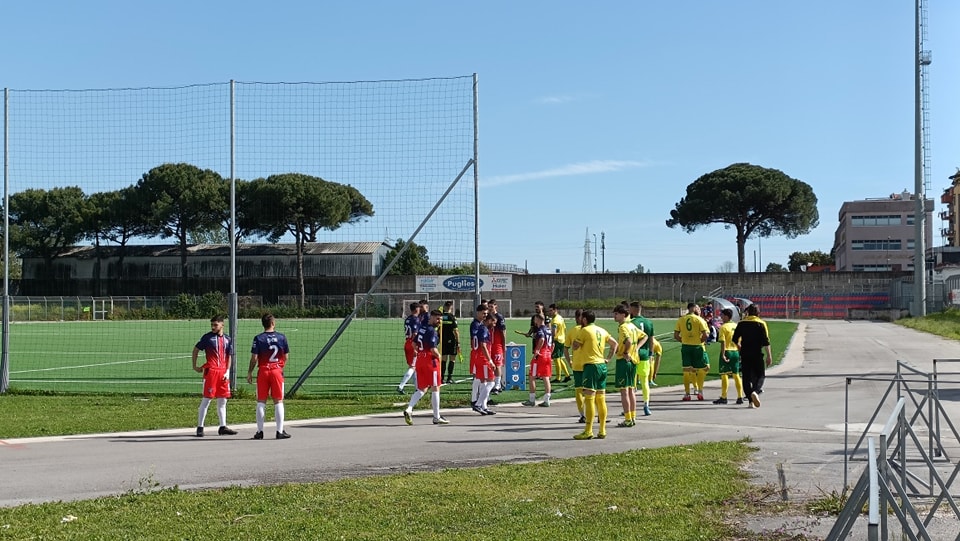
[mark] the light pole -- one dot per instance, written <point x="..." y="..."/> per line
<point x="603" y="251"/>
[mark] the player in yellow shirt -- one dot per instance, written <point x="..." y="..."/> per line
<point x="729" y="358"/>
<point x="593" y="340"/>
<point x="629" y="339"/>
<point x="559" y="328"/>
<point x="656" y="352"/>
<point x="692" y="332"/>
<point x="575" y="360"/>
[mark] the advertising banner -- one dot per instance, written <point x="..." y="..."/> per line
<point x="463" y="283"/>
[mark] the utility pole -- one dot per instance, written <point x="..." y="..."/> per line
<point x="922" y="59"/>
<point x="603" y="252"/>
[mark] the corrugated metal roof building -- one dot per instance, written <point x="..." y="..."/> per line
<point x="213" y="261"/>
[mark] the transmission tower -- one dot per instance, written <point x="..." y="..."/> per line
<point x="587" y="254"/>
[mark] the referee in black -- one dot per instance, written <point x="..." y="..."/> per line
<point x="449" y="342"/>
<point x="753" y="339"/>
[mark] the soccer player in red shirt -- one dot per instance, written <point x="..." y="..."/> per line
<point x="269" y="354"/>
<point x="541" y="366"/>
<point x="218" y="350"/>
<point x="481" y="363"/>
<point x="410" y="326"/>
<point x="498" y="344"/>
<point x="428" y="369"/>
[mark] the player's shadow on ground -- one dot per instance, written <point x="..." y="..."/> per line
<point x="387" y="423"/>
<point x="495" y="440"/>
<point x="171" y="438"/>
<point x="522" y="429"/>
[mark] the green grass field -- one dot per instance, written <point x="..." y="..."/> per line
<point x="148" y="357"/>
<point x="690" y="492"/>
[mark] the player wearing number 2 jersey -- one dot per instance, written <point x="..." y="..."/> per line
<point x="269" y="354"/>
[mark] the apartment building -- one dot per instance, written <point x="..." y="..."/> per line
<point x="876" y="235"/>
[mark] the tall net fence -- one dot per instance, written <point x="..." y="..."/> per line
<point x="120" y="209"/>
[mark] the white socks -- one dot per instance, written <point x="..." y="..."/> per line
<point x="435" y="402"/>
<point x="475" y="390"/>
<point x="406" y="377"/>
<point x="414" y="399"/>
<point x="222" y="411"/>
<point x="202" y="414"/>
<point x="261" y="414"/>
<point x="278" y="412"/>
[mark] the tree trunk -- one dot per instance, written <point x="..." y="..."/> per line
<point x="97" y="284"/>
<point x="183" y="261"/>
<point x="121" y="253"/>
<point x="741" y="243"/>
<point x="300" y="248"/>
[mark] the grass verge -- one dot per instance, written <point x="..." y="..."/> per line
<point x="673" y="493"/>
<point x="945" y="324"/>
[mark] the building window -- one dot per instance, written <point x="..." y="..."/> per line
<point x="910" y="219"/>
<point x="887" y="245"/>
<point x="879" y="220"/>
<point x="911" y="244"/>
<point x="872" y="268"/>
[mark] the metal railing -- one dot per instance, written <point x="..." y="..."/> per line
<point x="906" y="475"/>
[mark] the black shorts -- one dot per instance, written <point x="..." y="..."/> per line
<point x="448" y="348"/>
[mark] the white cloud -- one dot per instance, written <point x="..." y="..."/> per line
<point x="569" y="170"/>
<point x="554" y="100"/>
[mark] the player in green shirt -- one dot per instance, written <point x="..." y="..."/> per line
<point x="644" y="371"/>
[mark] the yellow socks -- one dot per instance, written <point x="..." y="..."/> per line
<point x="738" y="381"/>
<point x="701" y="377"/>
<point x="578" y="393"/>
<point x="724" y="385"/>
<point x="590" y="411"/>
<point x="562" y="367"/>
<point x="600" y="400"/>
<point x="687" y="380"/>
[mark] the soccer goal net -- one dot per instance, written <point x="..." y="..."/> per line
<point x="391" y="305"/>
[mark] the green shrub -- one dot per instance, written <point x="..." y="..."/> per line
<point x="185" y="307"/>
<point x="211" y="304"/>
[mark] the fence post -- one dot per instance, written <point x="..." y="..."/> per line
<point x="874" y="497"/>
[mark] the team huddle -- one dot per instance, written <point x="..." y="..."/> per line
<point x="583" y="353"/>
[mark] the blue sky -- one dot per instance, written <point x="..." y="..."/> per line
<point x="591" y="116"/>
